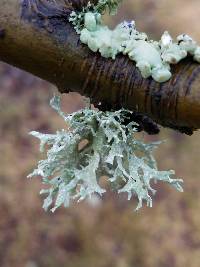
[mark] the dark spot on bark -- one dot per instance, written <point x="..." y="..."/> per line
<point x="180" y="128"/>
<point x="157" y="97"/>
<point x="47" y="14"/>
<point x="2" y="33"/>
<point x="184" y="130"/>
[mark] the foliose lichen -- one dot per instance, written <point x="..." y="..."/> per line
<point x="97" y="144"/>
<point x="153" y="58"/>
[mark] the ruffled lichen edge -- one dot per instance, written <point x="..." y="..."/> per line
<point x="153" y="58"/>
<point x="97" y="143"/>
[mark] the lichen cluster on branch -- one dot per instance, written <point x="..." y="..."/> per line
<point x="97" y="143"/>
<point x="153" y="58"/>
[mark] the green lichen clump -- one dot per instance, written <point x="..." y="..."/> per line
<point x="78" y="18"/>
<point x="153" y="58"/>
<point x="97" y="144"/>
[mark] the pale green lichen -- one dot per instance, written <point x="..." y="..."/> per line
<point x="152" y="58"/>
<point x="97" y="143"/>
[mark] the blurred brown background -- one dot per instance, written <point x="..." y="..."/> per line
<point x="106" y="233"/>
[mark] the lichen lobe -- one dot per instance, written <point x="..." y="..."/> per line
<point x="73" y="172"/>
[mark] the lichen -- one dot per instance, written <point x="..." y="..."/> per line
<point x="97" y="144"/>
<point x="153" y="58"/>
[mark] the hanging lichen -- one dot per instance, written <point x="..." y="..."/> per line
<point x="97" y="143"/>
<point x="152" y="58"/>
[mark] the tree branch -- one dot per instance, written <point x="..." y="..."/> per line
<point x="37" y="37"/>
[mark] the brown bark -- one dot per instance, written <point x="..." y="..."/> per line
<point x="37" y="37"/>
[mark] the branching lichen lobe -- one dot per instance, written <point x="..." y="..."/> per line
<point x="111" y="150"/>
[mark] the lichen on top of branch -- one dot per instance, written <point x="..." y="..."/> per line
<point x="153" y="58"/>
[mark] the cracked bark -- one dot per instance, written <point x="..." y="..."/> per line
<point x="35" y="35"/>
